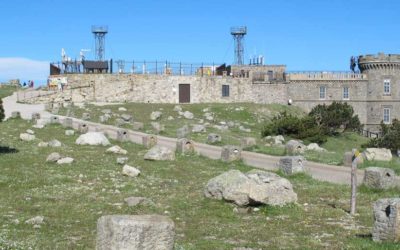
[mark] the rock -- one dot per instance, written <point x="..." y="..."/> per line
<point x="53" y="157"/>
<point x="255" y="187"/>
<point x="93" y="138"/>
<point x="130" y="171"/>
<point x="15" y="114"/>
<point x="177" y="108"/>
<point x="104" y="118"/>
<point x="106" y="111"/>
<point x="213" y="138"/>
<point x="117" y="150"/>
<point x="248" y="142"/>
<point x="27" y="137"/>
<point x="221" y="127"/>
<point x="386" y="216"/>
<point x="275" y="140"/>
<point x="86" y="116"/>
<point x="294" y="147"/>
<point x="37" y="220"/>
<point x="377" y="154"/>
<point x="231" y="153"/>
<point x="157" y="127"/>
<point x="155" y="115"/>
<point x="188" y="115"/>
<point x="43" y="144"/>
<point x="30" y="131"/>
<point x="379" y="178"/>
<point x="182" y="132"/>
<point x="135" y="201"/>
<point x="198" y="128"/>
<point x="65" y="160"/>
<point x="144" y="232"/>
<point x="119" y="122"/>
<point x="241" y="128"/>
<point x="122" y="109"/>
<point x="137" y="125"/>
<point x="160" y="153"/>
<point x="55" y="143"/>
<point x="208" y="116"/>
<point x="69" y="132"/>
<point x="292" y="165"/>
<point x="184" y="146"/>
<point x="315" y="147"/>
<point x="126" y="118"/>
<point x="170" y="118"/>
<point x="38" y="126"/>
<point x="122" y="160"/>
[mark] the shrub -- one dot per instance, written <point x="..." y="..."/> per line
<point x="390" y="137"/>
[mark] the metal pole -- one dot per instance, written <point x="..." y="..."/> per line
<point x="180" y="68"/>
<point x="354" y="182"/>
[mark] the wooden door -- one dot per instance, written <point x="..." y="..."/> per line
<point x="184" y="93"/>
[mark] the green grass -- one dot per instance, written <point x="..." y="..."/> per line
<point x="6" y="90"/>
<point x="71" y="205"/>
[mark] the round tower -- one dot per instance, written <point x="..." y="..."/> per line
<point x="383" y="88"/>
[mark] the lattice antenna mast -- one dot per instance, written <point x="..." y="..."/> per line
<point x="238" y="34"/>
<point x="99" y="33"/>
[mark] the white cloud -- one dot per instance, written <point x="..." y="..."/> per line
<point x="23" y="69"/>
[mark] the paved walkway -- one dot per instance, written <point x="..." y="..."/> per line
<point x="319" y="171"/>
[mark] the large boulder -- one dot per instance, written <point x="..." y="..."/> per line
<point x="378" y="154"/>
<point x="53" y="157"/>
<point x="188" y="115"/>
<point x="253" y="188"/>
<point x="160" y="153"/>
<point x="130" y="171"/>
<point x="27" y="137"/>
<point x="144" y="232"/>
<point x="127" y="117"/>
<point x="379" y="178"/>
<point x="315" y="147"/>
<point x="155" y="115"/>
<point x="93" y="138"/>
<point x="294" y="147"/>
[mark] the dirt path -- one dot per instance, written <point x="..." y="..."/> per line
<point x="319" y="171"/>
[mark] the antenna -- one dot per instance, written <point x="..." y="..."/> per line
<point x="238" y="34"/>
<point x="100" y="40"/>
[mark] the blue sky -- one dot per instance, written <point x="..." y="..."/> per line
<point x="304" y="35"/>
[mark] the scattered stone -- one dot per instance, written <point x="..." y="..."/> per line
<point x="253" y="188"/>
<point x="275" y="140"/>
<point x="122" y="109"/>
<point x="38" y="126"/>
<point x="93" y="138"/>
<point x="27" y="137"/>
<point x="157" y="127"/>
<point x="149" y="141"/>
<point x="122" y="160"/>
<point x="221" y="127"/>
<point x="106" y="111"/>
<point x="292" y="164"/>
<point x="43" y="144"/>
<point x="178" y="108"/>
<point x="126" y="118"/>
<point x="15" y="114"/>
<point x="188" y="115"/>
<point x="213" y="138"/>
<point x="55" y="143"/>
<point x="155" y="115"/>
<point x="248" y="142"/>
<point x="135" y="201"/>
<point x="119" y="122"/>
<point x="315" y="147"/>
<point x="117" y="150"/>
<point x="184" y="146"/>
<point x="130" y="171"/>
<point x="198" y="128"/>
<point x="230" y="124"/>
<point x="144" y="232"/>
<point x="170" y="118"/>
<point x="379" y="178"/>
<point x="182" y="132"/>
<point x="65" y="160"/>
<point x="386" y="216"/>
<point x="377" y="154"/>
<point x="294" y="147"/>
<point x="53" y="157"/>
<point x="104" y="118"/>
<point x="37" y="220"/>
<point x="241" y="128"/>
<point x="69" y="132"/>
<point x="29" y="131"/>
<point x="137" y="126"/>
<point x="160" y="153"/>
<point x="86" y="116"/>
<point x="231" y="153"/>
<point x="208" y="116"/>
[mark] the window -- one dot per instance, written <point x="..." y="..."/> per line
<point x="346" y="93"/>
<point x="386" y="115"/>
<point x="386" y="87"/>
<point x="225" y="90"/>
<point x="322" y="92"/>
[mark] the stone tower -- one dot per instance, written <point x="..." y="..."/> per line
<point x="383" y="88"/>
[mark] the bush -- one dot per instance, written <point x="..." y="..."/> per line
<point x="1" y="111"/>
<point x="390" y="137"/>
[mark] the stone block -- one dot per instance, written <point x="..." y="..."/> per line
<point x="144" y="232"/>
<point x="292" y="164"/>
<point x="379" y="178"/>
<point x="35" y="117"/>
<point x="54" y="119"/>
<point x="149" y="141"/>
<point x="68" y="123"/>
<point x="184" y="146"/>
<point x="231" y="153"/>
<point x="294" y="147"/>
<point x="387" y="218"/>
<point x="122" y="135"/>
<point x="15" y="114"/>
<point x="83" y="128"/>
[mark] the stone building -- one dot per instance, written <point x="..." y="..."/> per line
<point x="374" y="93"/>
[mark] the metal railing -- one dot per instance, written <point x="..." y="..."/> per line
<point x="324" y="75"/>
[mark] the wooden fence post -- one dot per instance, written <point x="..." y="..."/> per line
<point x="356" y="153"/>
